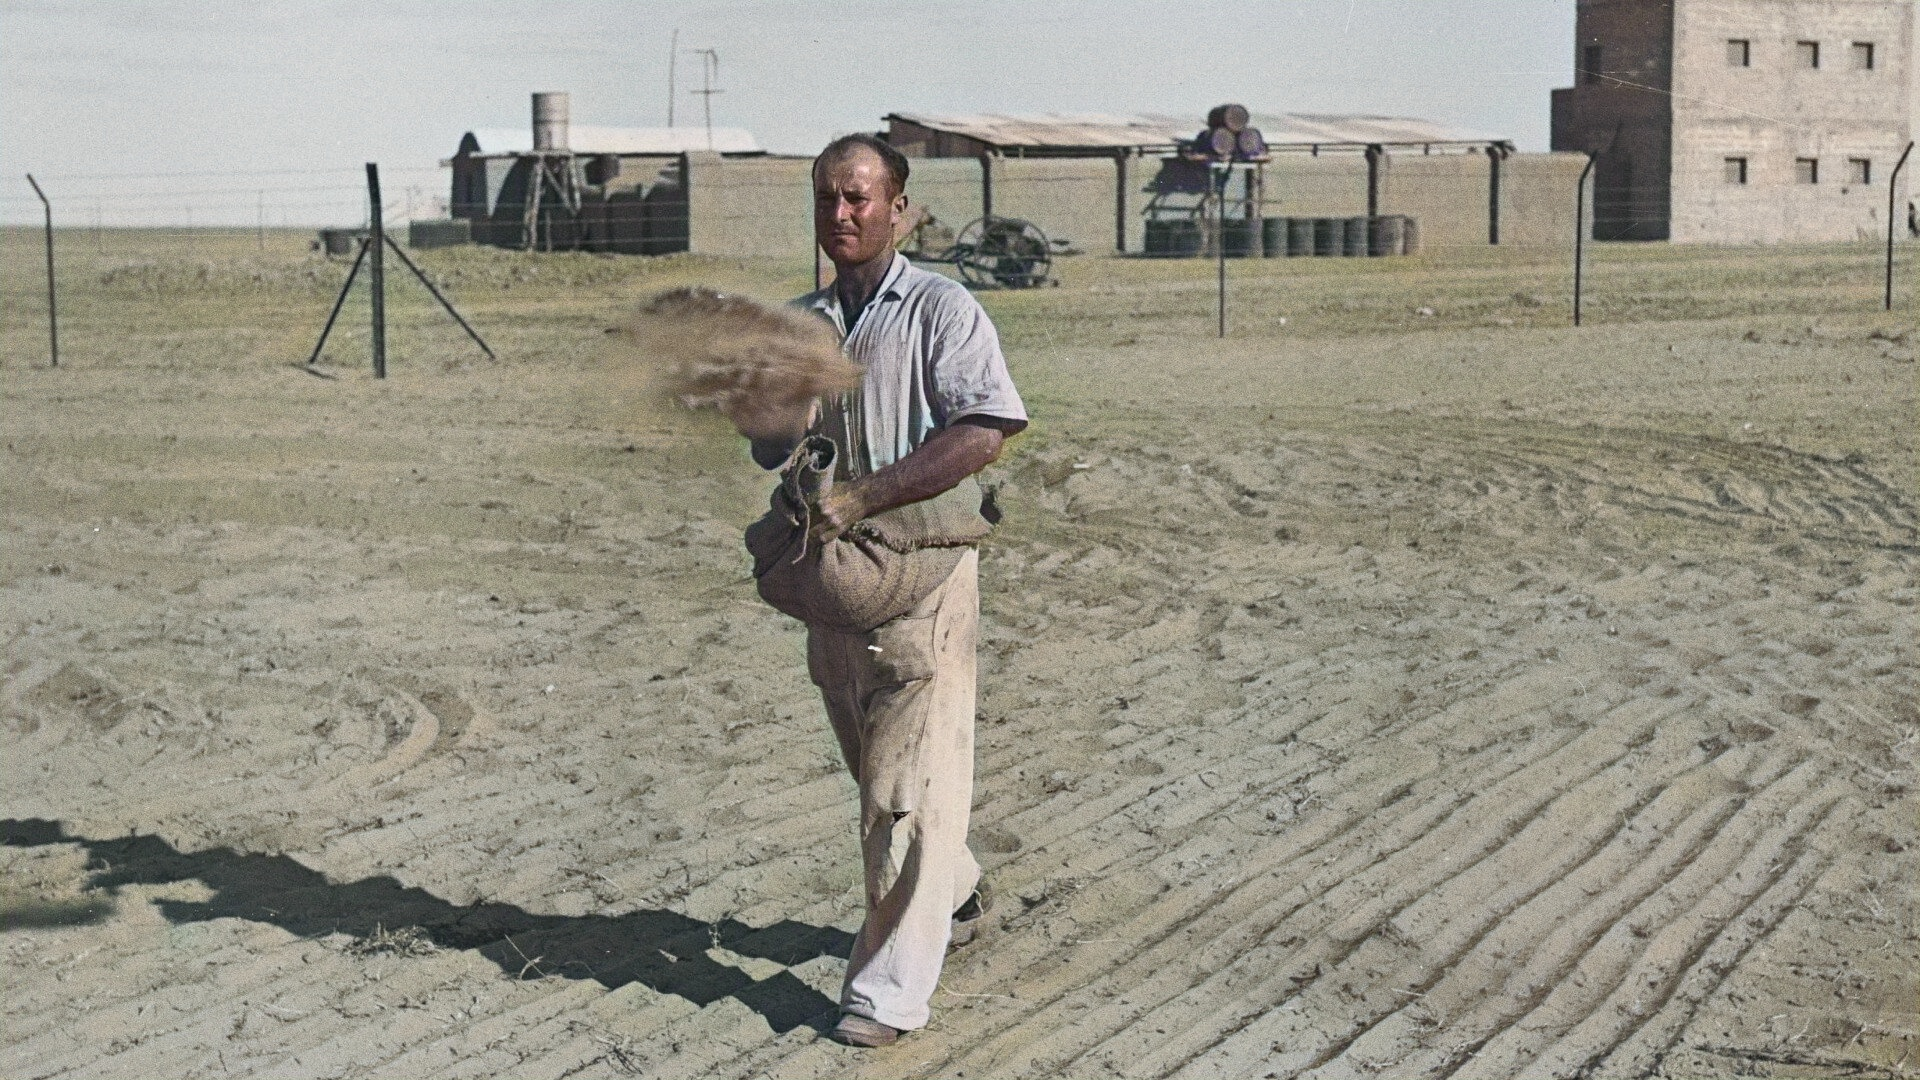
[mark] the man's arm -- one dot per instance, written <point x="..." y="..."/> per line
<point x="947" y="457"/>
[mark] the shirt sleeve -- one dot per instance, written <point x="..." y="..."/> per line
<point x="968" y="372"/>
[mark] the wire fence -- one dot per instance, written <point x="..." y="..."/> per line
<point x="292" y="198"/>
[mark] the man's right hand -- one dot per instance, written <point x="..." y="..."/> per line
<point x="771" y="453"/>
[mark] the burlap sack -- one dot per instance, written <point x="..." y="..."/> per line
<point x="876" y="571"/>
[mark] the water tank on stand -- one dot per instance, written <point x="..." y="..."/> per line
<point x="550" y="121"/>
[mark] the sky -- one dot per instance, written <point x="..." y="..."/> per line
<point x="135" y="112"/>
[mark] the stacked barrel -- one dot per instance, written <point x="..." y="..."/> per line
<point x="1229" y="136"/>
<point x="1382" y="234"/>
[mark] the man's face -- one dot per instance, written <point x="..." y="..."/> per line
<point x="855" y="209"/>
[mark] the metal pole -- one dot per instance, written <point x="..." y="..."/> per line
<point x="338" y="302"/>
<point x="1374" y="154"/>
<point x="1892" y="181"/>
<point x="377" y="271"/>
<point x="673" y="56"/>
<point x="1120" y="202"/>
<point x="1495" y="154"/>
<point x="260" y="217"/>
<point x="1220" y="241"/>
<point x="1580" y="230"/>
<point x="444" y="302"/>
<point x="53" y="307"/>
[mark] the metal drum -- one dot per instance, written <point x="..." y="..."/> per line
<point x="1326" y="235"/>
<point x="341" y="241"/>
<point x="1232" y="117"/>
<point x="1273" y="236"/>
<point x="1241" y="237"/>
<point x="1299" y="236"/>
<point x="1354" y="237"/>
<point x="1173" y="239"/>
<point x="1384" y="235"/>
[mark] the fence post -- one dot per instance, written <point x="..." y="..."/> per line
<point x="1225" y="173"/>
<point x="53" y="308"/>
<point x="1580" y="229"/>
<point x="376" y="271"/>
<point x="1893" y="180"/>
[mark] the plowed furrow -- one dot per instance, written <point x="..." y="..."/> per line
<point x="1635" y="962"/>
<point x="1381" y="803"/>
<point x="1350" y="911"/>
<point x="1453" y="1007"/>
<point x="1408" y="953"/>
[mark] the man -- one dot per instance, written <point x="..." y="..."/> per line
<point x="934" y="408"/>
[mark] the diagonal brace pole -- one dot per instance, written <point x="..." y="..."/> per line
<point x="444" y="302"/>
<point x="53" y="306"/>
<point x="338" y="303"/>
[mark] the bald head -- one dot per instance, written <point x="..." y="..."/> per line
<point x="891" y="160"/>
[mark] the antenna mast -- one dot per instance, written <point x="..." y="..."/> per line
<point x="709" y="74"/>
<point x="673" y="55"/>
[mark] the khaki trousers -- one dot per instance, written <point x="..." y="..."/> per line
<point x="901" y="700"/>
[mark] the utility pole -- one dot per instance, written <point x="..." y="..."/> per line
<point x="673" y="58"/>
<point x="260" y="218"/>
<point x="709" y="74"/>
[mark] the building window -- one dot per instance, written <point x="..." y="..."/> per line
<point x="1808" y="53"/>
<point x="1863" y="56"/>
<point x="1859" y="170"/>
<point x="1590" y="65"/>
<point x="1806" y="170"/>
<point x="1736" y="170"/>
<point x="1739" y="52"/>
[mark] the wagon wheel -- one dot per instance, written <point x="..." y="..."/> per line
<point x="1008" y="252"/>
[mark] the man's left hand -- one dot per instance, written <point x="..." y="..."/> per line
<point x="949" y="456"/>
<point x="838" y="511"/>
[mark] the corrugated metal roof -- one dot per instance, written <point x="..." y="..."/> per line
<point x="1058" y="130"/>
<point x="1161" y="131"/>
<point x="588" y="139"/>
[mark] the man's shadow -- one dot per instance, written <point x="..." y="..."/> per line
<point x="663" y="950"/>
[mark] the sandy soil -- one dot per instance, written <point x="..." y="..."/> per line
<point x="1372" y="694"/>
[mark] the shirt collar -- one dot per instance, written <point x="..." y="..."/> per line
<point x="827" y="301"/>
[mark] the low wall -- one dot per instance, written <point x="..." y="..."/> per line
<point x="1446" y="193"/>
<point x="762" y="207"/>
<point x="948" y="188"/>
<point x="1537" y="199"/>
<point x="1068" y="198"/>
<point x="750" y="206"/>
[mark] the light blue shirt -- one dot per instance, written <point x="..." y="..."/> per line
<point x="931" y="357"/>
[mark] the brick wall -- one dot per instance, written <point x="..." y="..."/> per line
<point x="1777" y="111"/>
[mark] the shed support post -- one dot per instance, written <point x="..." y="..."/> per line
<point x="986" y="185"/>
<point x="1120" y="202"/>
<point x="1495" y="155"/>
<point x="1375" y="153"/>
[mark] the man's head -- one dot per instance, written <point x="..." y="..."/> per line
<point x="859" y="193"/>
